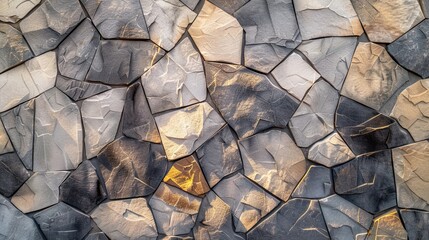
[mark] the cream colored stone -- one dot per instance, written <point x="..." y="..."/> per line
<point x="14" y="10"/>
<point x="330" y="151"/>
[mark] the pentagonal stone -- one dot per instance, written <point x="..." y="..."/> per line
<point x="190" y="3"/>
<point x="79" y="90"/>
<point x="273" y="161"/>
<point x="330" y="151"/>
<point x="131" y="168"/>
<point x="50" y="23"/>
<point x="416" y="223"/>
<point x="5" y="144"/>
<point x="12" y="174"/>
<point x="248" y="202"/>
<point x="316" y="183"/>
<point x="13" y="48"/>
<point x="177" y="80"/>
<point x="387" y="226"/>
<point x="14" y="10"/>
<point x="217" y="35"/>
<point x="247" y="100"/>
<point x="192" y="126"/>
<point x="96" y="236"/>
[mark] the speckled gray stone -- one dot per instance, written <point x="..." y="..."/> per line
<point x="13" y="48"/>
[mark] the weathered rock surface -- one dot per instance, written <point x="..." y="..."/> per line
<point x="5" y="144"/>
<point x="316" y="183"/>
<point x="247" y="100"/>
<point x="190" y="3"/>
<point x="79" y="90"/>
<point x="330" y="151"/>
<point x="14" y="10"/>
<point x="217" y="35"/>
<point x="264" y="57"/>
<point x="416" y="223"/>
<point x="229" y="6"/>
<point x="387" y="226"/>
<point x="13" y="48"/>
<point x="12" y="174"/>
<point x="96" y="236"/>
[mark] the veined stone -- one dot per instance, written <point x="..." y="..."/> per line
<point x="12" y="174"/>
<point x="387" y="226"/>
<point x="13" y="48"/>
<point x="330" y="151"/>
<point x="416" y="223"/>
<point x="316" y="183"/>
<point x="5" y="144"/>
<point x="229" y="6"/>
<point x="14" y="10"/>
<point x="79" y="90"/>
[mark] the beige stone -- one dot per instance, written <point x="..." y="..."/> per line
<point x="330" y="151"/>
<point x="14" y="10"/>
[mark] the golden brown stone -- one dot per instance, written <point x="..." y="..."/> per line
<point x="387" y="226"/>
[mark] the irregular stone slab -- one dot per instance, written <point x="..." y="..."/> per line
<point x="131" y="168"/>
<point x="344" y="219"/>
<point x="386" y="20"/>
<point x="97" y="236"/>
<point x="58" y="137"/>
<point x="367" y="181"/>
<point x="193" y="126"/>
<point x="167" y="20"/>
<point x="316" y="183"/>
<point x="229" y="6"/>
<point x="416" y="223"/>
<point x="331" y="57"/>
<point x="12" y="174"/>
<point x="330" y="151"/>
<point x="100" y="116"/>
<point x="14" y="49"/>
<point x="138" y="122"/>
<point x="63" y="222"/>
<point x="41" y="190"/>
<point x="188" y="236"/>
<point x="247" y="100"/>
<point x="219" y="156"/>
<point x="82" y="189"/>
<point x="314" y="118"/>
<point x="174" y="211"/>
<point x="387" y="226"/>
<point x="14" y="10"/>
<point x="217" y="35"/>
<point x="177" y="80"/>
<point x="425" y="7"/>
<point x="411" y="112"/>
<point x="76" y="52"/>
<point x="79" y="90"/>
<point x="248" y="202"/>
<point x="5" y="144"/>
<point x="117" y="18"/>
<point x="27" y="80"/>
<point x="190" y="3"/>
<point x="296" y="219"/>
<point x="273" y="161"/>
<point x="264" y="57"/>
<point x="126" y="219"/>
<point x="122" y="62"/>
<point x="16" y="225"/>
<point x="50" y="23"/>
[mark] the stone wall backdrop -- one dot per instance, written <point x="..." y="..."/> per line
<point x="214" y="119"/>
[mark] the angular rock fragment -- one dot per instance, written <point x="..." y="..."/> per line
<point x="188" y="236"/>
<point x="247" y="100"/>
<point x="316" y="183"/>
<point x="190" y="3"/>
<point x="425" y="7"/>
<point x="79" y="90"/>
<point x="217" y="35"/>
<point x="96" y="236"/>
<point x="330" y="151"/>
<point x="12" y="174"/>
<point x="387" y="226"/>
<point x="273" y="161"/>
<point x="131" y="168"/>
<point x="264" y="57"/>
<point x="41" y="190"/>
<point x="13" y="10"/>
<point x="177" y="80"/>
<point x="13" y="48"/>
<point x="192" y="126"/>
<point x="416" y="223"/>
<point x="229" y="6"/>
<point x="248" y="202"/>
<point x="167" y="20"/>
<point x="5" y="144"/>
<point x="296" y="219"/>
<point x="101" y="115"/>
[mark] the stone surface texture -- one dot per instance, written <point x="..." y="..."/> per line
<point x="79" y="90"/>
<point x="13" y="48"/>
<point x="5" y="144"/>
<point x="330" y="151"/>
<point x="316" y="183"/>
<point x="12" y="174"/>
<point x="14" y="10"/>
<point x="416" y="223"/>
<point x="387" y="226"/>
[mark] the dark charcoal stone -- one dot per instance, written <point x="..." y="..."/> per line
<point x="316" y="183"/>
<point x="416" y="223"/>
<point x="97" y="236"/>
<point x="79" y="90"/>
<point x="13" y="48"/>
<point x="12" y="174"/>
<point x="229" y="6"/>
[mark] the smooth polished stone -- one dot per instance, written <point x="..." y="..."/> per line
<point x="248" y="202"/>
<point x="167" y="20"/>
<point x="12" y="174"/>
<point x="247" y="100"/>
<point x="416" y="223"/>
<point x="5" y="144"/>
<point x="41" y="190"/>
<point x="296" y="219"/>
<point x="79" y="90"/>
<point x="13" y="47"/>
<point x="190" y="3"/>
<point x="330" y="151"/>
<point x="264" y="57"/>
<point x="316" y="183"/>
<point x="96" y="236"/>
<point x="387" y="226"/>
<point x="177" y="80"/>
<point x="218" y="35"/>
<point x="125" y="219"/>
<point x="273" y="161"/>
<point x="14" y="10"/>
<point x="192" y="126"/>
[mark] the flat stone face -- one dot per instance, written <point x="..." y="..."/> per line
<point x="5" y="144"/>
<point x="50" y="23"/>
<point x="174" y="211"/>
<point x="117" y="18"/>
<point x="273" y="161"/>
<point x="330" y="151"/>
<point x="192" y="126"/>
<point x="265" y="56"/>
<point x="416" y="223"/>
<point x="96" y="236"/>
<point x="13" y="48"/>
<point x="100" y="116"/>
<point x="41" y="190"/>
<point x="12" y="174"/>
<point x="367" y="181"/>
<point x="58" y="137"/>
<point x="248" y="202"/>
<point x="229" y="6"/>
<point x="316" y="183"/>
<point x="27" y="80"/>
<point x="296" y="219"/>
<point x="121" y="62"/>
<point x="125" y="219"/>
<point x="386" y="20"/>
<point x="167" y="20"/>
<point x="387" y="226"/>
<point x="79" y="90"/>
<point x="177" y="80"/>
<point x="217" y="35"/>
<point x="247" y="100"/>
<point x="131" y="168"/>
<point x="314" y="118"/>
<point x="12" y="11"/>
<point x="190" y="3"/>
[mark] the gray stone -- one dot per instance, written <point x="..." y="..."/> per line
<point x="13" y="48"/>
<point x="229" y="6"/>
<point x="190" y="3"/>
<point x="316" y="183"/>
<point x="425" y="7"/>
<point x="5" y="144"/>
<point x="387" y="226"/>
<point x="14" y="10"/>
<point x="96" y="236"/>
<point x="416" y="223"/>
<point x="265" y="56"/>
<point x="330" y="151"/>
<point x="12" y="174"/>
<point x="188" y="236"/>
<point x="79" y="90"/>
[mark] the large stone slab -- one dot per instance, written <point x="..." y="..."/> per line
<point x="416" y="223"/>
<point x="330" y="151"/>
<point x="387" y="226"/>
<point x="79" y="90"/>
<point x="5" y="144"/>
<point x="316" y="183"/>
<point x="12" y="174"/>
<point x="229" y="6"/>
<point x="13" y="47"/>
<point x="14" y="10"/>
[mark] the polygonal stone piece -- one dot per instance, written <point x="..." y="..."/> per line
<point x="58" y="137"/>
<point x="41" y="190"/>
<point x="192" y="126"/>
<point x="79" y="90"/>
<point x="126" y="219"/>
<point x="217" y="35"/>
<point x="248" y="202"/>
<point x="273" y="161"/>
<point x="416" y="223"/>
<point x="167" y="20"/>
<point x="174" y="211"/>
<point x="27" y="80"/>
<point x="122" y="62"/>
<point x="265" y="56"/>
<point x="100" y="116"/>
<point x="316" y="183"/>
<point x="296" y="219"/>
<point x="50" y="23"/>
<point x="96" y="236"/>
<point x="387" y="226"/>
<point x="247" y="100"/>
<point x="386" y="20"/>
<point x="190" y="3"/>
<point x="14" y="10"/>
<point x="177" y="80"/>
<point x="13" y="48"/>
<point x="12" y="174"/>
<point x="229" y="6"/>
<point x="5" y="144"/>
<point x="330" y="151"/>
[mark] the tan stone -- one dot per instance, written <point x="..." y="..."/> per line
<point x="387" y="226"/>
